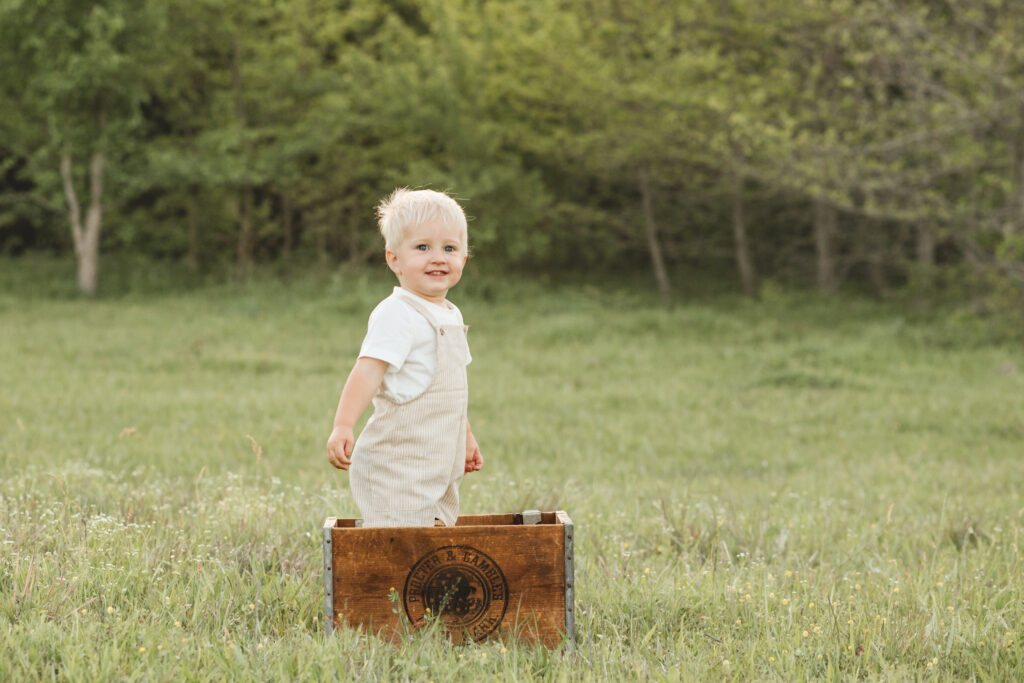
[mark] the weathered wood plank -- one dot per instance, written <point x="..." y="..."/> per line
<point x="487" y="576"/>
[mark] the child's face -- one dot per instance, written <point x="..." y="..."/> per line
<point x="429" y="260"/>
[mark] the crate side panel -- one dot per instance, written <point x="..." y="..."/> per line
<point x="368" y="563"/>
<point x="509" y="579"/>
<point x="518" y="571"/>
<point x="534" y="562"/>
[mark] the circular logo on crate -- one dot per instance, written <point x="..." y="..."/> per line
<point x="462" y="586"/>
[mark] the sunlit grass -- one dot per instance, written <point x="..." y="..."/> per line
<point x="791" y="489"/>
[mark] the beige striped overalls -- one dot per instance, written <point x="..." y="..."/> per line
<point x="409" y="459"/>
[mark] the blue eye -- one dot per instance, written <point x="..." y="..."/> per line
<point x="422" y="247"/>
<point x="449" y="248"/>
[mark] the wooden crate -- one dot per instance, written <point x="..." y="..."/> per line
<point x="489" y="575"/>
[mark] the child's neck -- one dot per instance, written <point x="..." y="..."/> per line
<point x="443" y="303"/>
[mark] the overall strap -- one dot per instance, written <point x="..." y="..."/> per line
<point x="422" y="309"/>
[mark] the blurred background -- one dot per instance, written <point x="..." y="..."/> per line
<point x="818" y="144"/>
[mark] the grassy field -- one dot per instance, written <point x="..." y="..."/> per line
<point x="790" y="489"/>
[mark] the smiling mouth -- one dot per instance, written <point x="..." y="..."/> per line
<point x="437" y="272"/>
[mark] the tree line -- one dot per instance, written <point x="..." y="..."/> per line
<point x="807" y="139"/>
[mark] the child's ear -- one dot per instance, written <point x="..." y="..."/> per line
<point x="392" y="259"/>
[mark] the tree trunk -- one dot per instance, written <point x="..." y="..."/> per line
<point x="923" y="272"/>
<point x="979" y="270"/>
<point x="355" y="247"/>
<point x="925" y="245"/>
<point x="745" y="265"/>
<point x="192" y="257"/>
<point x="825" y="229"/>
<point x="1020" y="184"/>
<point x="874" y="256"/>
<point x="322" y="257"/>
<point x="244" y="265"/>
<point x="651" y="235"/>
<point x="286" y="225"/>
<point x="245" y="234"/>
<point x="86" y="237"/>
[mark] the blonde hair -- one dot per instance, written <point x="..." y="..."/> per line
<point x="405" y="208"/>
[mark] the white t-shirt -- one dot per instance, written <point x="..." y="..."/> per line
<point x="399" y="335"/>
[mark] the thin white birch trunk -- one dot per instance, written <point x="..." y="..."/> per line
<point x="825" y="229"/>
<point x="86" y="237"/>
<point x="651" y="235"/>
<point x="741" y="244"/>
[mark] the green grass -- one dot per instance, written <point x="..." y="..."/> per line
<point x="793" y="489"/>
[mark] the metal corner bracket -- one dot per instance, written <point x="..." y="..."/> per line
<point x="329" y="574"/>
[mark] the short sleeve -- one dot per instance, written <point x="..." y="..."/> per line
<point x="387" y="335"/>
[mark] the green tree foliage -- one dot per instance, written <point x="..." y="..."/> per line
<point x="74" y="78"/>
<point x="798" y="140"/>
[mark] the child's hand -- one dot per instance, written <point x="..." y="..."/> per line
<point x="361" y="385"/>
<point x="474" y="461"/>
<point x="339" y="447"/>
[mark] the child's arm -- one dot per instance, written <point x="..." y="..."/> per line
<point x="361" y="385"/>
<point x="474" y="461"/>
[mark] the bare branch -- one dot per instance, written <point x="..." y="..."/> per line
<point x="94" y="218"/>
<point x="74" y="210"/>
